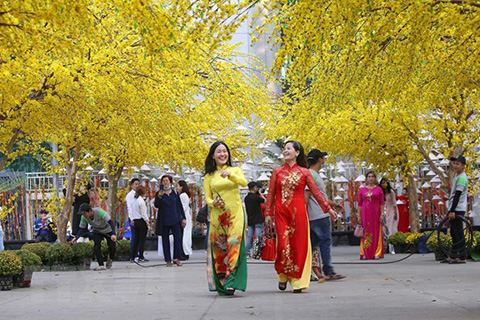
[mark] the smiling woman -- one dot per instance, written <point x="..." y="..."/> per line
<point x="286" y="203"/>
<point x="226" y="258"/>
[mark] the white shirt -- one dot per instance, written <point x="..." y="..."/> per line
<point x="132" y="206"/>
<point x="142" y="206"/>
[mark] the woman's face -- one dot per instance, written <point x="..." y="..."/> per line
<point x="179" y="189"/>
<point x="289" y="152"/>
<point x="404" y="193"/>
<point x="166" y="182"/>
<point x="371" y="178"/>
<point x="384" y="184"/>
<point x="220" y="155"/>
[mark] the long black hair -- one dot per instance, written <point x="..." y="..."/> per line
<point x="388" y="189"/>
<point x="210" y="164"/>
<point x="184" y="186"/>
<point x="301" y="159"/>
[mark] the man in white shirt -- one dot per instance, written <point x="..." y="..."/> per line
<point x="133" y="213"/>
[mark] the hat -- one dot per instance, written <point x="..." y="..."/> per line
<point x="460" y="159"/>
<point x="84" y="207"/>
<point x="316" y="154"/>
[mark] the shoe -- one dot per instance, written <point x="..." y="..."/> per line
<point x="282" y="286"/>
<point x="334" y="276"/>
<point x="132" y="260"/>
<point x="457" y="262"/>
<point x="229" y="291"/>
<point x="109" y="263"/>
<point x="297" y="291"/>
<point x="100" y="268"/>
<point x="177" y="262"/>
<point x="169" y="264"/>
<point x="136" y="260"/>
<point x="143" y="260"/>
<point x="446" y="260"/>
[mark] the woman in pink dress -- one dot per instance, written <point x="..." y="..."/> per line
<point x="370" y="214"/>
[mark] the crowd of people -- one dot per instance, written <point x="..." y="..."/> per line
<point x="296" y="207"/>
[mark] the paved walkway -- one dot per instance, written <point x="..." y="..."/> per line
<point x="417" y="288"/>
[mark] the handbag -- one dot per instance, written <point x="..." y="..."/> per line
<point x="358" y="231"/>
<point x="202" y="215"/>
<point x="257" y="247"/>
<point x="269" y="248"/>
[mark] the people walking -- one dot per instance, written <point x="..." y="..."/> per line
<point x="370" y="217"/>
<point x="170" y="219"/>
<point x="391" y="210"/>
<point x="133" y="213"/>
<point x="320" y="227"/>
<point x="141" y="225"/>
<point x="184" y="194"/>
<point x="103" y="227"/>
<point x="227" y="261"/>
<point x="457" y="208"/>
<point x="253" y="201"/>
<point x="286" y="203"/>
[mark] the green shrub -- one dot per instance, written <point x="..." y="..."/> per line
<point x="83" y="250"/>
<point x="10" y="264"/>
<point x="29" y="259"/>
<point x="40" y="249"/>
<point x="59" y="253"/>
<point x="123" y="248"/>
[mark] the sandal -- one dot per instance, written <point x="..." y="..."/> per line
<point x="297" y="291"/>
<point x="282" y="286"/>
<point x="446" y="260"/>
<point x="177" y="262"/>
<point x="457" y="262"/>
<point x="169" y="264"/>
<point x="334" y="276"/>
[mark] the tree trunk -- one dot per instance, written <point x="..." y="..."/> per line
<point x="413" y="204"/>
<point x="66" y="212"/>
<point x="112" y="203"/>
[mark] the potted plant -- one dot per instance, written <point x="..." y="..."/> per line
<point x="30" y="263"/>
<point x="434" y="246"/>
<point x="412" y="241"/>
<point x="10" y="265"/>
<point x="83" y="253"/>
<point x="40" y="249"/>
<point x="59" y="255"/>
<point x="123" y="250"/>
<point x="398" y="240"/>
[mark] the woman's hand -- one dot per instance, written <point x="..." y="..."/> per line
<point x="217" y="202"/>
<point x="224" y="174"/>
<point x="184" y="223"/>
<point x="381" y="218"/>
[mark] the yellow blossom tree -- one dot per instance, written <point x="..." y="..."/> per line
<point x="381" y="81"/>
<point x="129" y="81"/>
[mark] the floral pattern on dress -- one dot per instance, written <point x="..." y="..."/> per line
<point x="287" y="252"/>
<point x="289" y="184"/>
